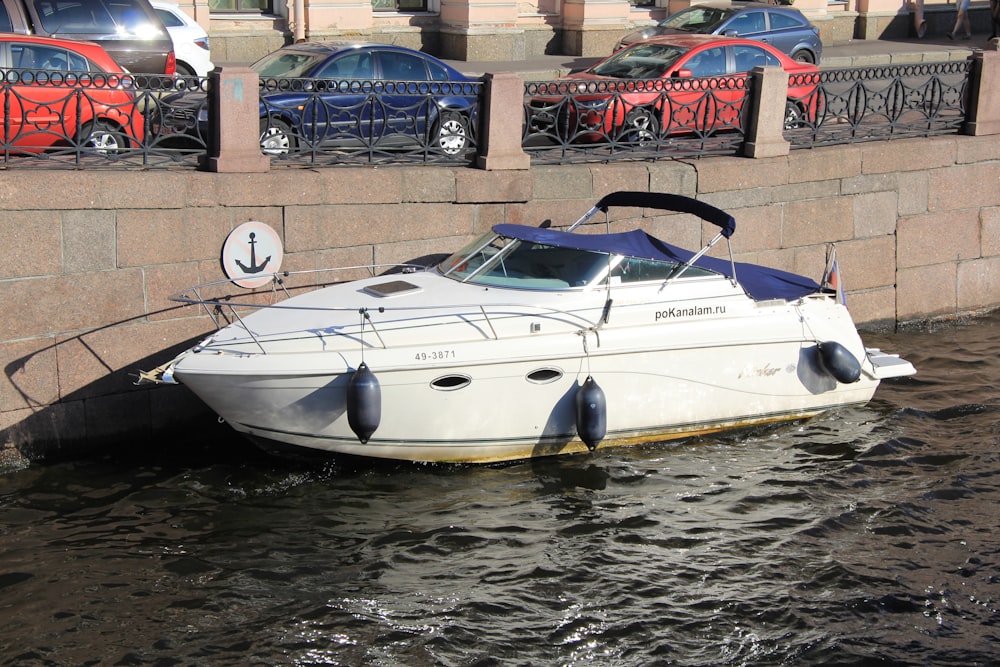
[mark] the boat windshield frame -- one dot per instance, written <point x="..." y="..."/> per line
<point x="530" y="265"/>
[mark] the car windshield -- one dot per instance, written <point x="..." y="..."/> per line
<point x="291" y="64"/>
<point x="107" y="17"/>
<point x="698" y="19"/>
<point x="642" y="61"/>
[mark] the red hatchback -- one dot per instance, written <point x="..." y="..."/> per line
<point x="59" y="93"/>
<point x="674" y="84"/>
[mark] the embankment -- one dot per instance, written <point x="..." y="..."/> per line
<point x="93" y="256"/>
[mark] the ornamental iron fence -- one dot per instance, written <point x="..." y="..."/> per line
<point x="94" y="120"/>
<point x="86" y="119"/>
<point x="586" y="120"/>
<point x="571" y="121"/>
<point x="890" y="102"/>
<point x="337" y="122"/>
<point x="91" y="120"/>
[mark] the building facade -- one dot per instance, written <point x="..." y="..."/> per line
<point x="504" y="30"/>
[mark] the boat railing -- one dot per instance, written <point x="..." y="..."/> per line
<point x="278" y="286"/>
<point x="224" y="308"/>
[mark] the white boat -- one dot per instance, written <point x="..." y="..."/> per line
<point x="533" y="342"/>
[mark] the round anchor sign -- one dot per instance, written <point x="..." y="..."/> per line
<point x="251" y="253"/>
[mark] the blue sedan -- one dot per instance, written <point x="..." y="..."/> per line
<point x="784" y="28"/>
<point x="329" y="95"/>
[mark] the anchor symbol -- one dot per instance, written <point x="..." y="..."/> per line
<point x="253" y="268"/>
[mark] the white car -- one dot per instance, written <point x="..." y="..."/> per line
<point x="190" y="39"/>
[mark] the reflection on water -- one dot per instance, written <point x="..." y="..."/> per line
<point x="865" y="536"/>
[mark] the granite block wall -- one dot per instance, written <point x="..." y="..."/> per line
<point x="94" y="256"/>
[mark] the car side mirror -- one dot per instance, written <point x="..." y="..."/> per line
<point x="683" y="73"/>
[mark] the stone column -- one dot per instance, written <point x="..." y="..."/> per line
<point x="593" y="27"/>
<point x="196" y="9"/>
<point x="333" y="16"/>
<point x="766" y="117"/>
<point x="984" y="92"/>
<point x="481" y="30"/>
<point x="234" y="115"/>
<point x="502" y="116"/>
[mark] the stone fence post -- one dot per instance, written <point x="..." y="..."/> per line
<point x="234" y="112"/>
<point x="766" y="119"/>
<point x="501" y="117"/>
<point x="983" y="112"/>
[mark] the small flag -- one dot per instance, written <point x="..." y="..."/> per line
<point x="831" y="278"/>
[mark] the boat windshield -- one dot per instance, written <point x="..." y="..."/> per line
<point x="642" y="61"/>
<point x="499" y="261"/>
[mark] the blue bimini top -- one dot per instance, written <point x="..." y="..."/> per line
<point x="760" y="282"/>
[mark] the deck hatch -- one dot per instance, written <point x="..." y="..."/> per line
<point x="392" y="288"/>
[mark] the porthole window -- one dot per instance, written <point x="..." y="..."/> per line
<point x="544" y="375"/>
<point x="451" y="382"/>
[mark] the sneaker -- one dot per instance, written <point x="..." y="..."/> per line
<point x="950" y="35"/>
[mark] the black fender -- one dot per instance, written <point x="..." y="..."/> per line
<point x="836" y="361"/>
<point x="591" y="413"/>
<point x="364" y="402"/>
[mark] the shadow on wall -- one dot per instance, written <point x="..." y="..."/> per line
<point x="103" y="415"/>
<point x="111" y="413"/>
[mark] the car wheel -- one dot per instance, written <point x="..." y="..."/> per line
<point x="102" y="138"/>
<point x="804" y="56"/>
<point x="183" y="69"/>
<point x="794" y="118"/>
<point x="453" y="134"/>
<point x="641" y="127"/>
<point x="276" y="137"/>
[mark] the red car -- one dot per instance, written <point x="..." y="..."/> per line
<point x="673" y="84"/>
<point x="59" y="92"/>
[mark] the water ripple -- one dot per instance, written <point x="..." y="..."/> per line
<point x="861" y="537"/>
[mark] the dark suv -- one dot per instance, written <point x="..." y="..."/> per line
<point x="129" y="30"/>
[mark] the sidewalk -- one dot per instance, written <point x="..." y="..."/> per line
<point x="856" y="53"/>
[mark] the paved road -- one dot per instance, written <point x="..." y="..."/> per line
<point x="857" y="53"/>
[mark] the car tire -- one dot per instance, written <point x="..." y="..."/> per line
<point x="641" y="127"/>
<point x="794" y="116"/>
<point x="452" y="136"/>
<point x="804" y="56"/>
<point x="276" y="137"/>
<point x="102" y="138"/>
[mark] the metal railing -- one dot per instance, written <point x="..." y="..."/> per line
<point x="587" y="120"/>
<point x="87" y="120"/>
<point x="90" y="120"/>
<point x="337" y="122"/>
<point x="83" y="120"/>
<point x="890" y="102"/>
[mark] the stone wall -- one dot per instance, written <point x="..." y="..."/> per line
<point x="95" y="255"/>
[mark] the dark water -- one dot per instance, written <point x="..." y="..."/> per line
<point x="865" y="537"/>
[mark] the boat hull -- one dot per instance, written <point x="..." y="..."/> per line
<point x="500" y="407"/>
